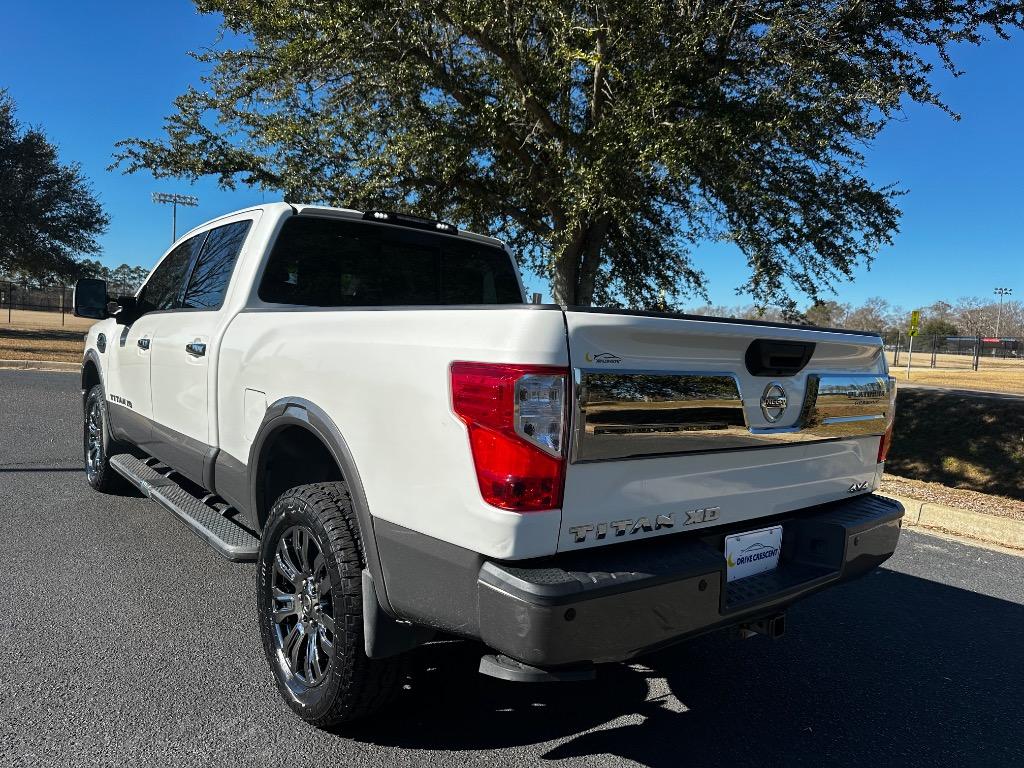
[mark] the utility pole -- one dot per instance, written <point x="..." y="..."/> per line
<point x="1001" y="292"/>
<point x="175" y="200"/>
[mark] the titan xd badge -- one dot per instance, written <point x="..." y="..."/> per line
<point x="641" y="525"/>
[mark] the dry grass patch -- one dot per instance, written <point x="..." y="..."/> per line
<point x="33" y="320"/>
<point x="993" y="374"/>
<point x="1003" y="380"/>
<point x="40" y="336"/>
<point x="972" y="501"/>
<point x="41" y="344"/>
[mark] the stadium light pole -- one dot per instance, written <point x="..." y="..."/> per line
<point x="175" y="200"/>
<point x="1001" y="292"/>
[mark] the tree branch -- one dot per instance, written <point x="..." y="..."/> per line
<point x="515" y="68"/>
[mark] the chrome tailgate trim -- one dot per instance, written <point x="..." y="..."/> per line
<point x="635" y="414"/>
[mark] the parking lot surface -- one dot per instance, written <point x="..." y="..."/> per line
<point x="126" y="641"/>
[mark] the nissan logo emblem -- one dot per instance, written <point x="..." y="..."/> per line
<point x="773" y="402"/>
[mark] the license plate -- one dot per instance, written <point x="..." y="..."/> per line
<point x="747" y="554"/>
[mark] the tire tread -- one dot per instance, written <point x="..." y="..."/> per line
<point x="107" y="479"/>
<point x="366" y="684"/>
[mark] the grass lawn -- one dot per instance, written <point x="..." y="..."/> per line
<point x="41" y="344"/>
<point x="35" y="335"/>
<point x="993" y="374"/>
<point x="33" y="320"/>
<point x="961" y="442"/>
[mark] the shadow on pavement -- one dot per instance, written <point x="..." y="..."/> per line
<point x="889" y="670"/>
<point x="40" y="469"/>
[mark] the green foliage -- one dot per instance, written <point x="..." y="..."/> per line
<point x="936" y="326"/>
<point x="603" y="140"/>
<point x="123" y="279"/>
<point x="827" y="314"/>
<point x="48" y="213"/>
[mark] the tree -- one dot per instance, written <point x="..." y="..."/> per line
<point x="941" y="310"/>
<point x="48" y="212"/>
<point x="127" y="278"/>
<point x="937" y="326"/>
<point x="974" y="316"/>
<point x="1012" y="322"/>
<point x="875" y="314"/>
<point x="828" y="314"/>
<point x="93" y="268"/>
<point x="602" y="139"/>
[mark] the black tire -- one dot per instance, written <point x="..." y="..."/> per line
<point x="348" y="685"/>
<point x="98" y="446"/>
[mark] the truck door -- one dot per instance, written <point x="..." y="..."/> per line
<point x="128" y="378"/>
<point x="184" y="350"/>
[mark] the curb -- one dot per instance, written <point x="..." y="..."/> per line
<point x="39" y="365"/>
<point x="973" y="525"/>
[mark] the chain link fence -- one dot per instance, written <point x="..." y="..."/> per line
<point x="22" y="305"/>
<point x="49" y="307"/>
<point x="954" y="352"/>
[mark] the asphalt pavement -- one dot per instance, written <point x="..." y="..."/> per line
<point x="124" y="641"/>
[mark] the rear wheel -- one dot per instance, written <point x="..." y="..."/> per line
<point x="98" y="446"/>
<point x="310" y="608"/>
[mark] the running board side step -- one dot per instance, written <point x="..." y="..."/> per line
<point x="221" y="531"/>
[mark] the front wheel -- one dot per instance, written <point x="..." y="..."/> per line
<point x="310" y="608"/>
<point x="98" y="446"/>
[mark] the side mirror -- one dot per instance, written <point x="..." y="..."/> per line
<point x="90" y="298"/>
<point x="125" y="310"/>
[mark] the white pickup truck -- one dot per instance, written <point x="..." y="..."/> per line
<point x="365" y="405"/>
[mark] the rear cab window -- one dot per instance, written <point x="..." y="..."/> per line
<point x="325" y="262"/>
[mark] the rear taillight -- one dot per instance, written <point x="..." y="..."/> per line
<point x="886" y="442"/>
<point x="516" y="420"/>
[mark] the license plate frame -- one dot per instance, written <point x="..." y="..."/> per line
<point x="752" y="552"/>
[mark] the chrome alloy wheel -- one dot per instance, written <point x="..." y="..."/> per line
<point x="93" y="439"/>
<point x="303" y="607"/>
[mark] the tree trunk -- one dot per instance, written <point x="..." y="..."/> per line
<point x="576" y="267"/>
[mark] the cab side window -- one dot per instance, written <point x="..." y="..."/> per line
<point x="209" y="281"/>
<point x="163" y="287"/>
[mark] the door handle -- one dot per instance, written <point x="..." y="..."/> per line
<point x="143" y="344"/>
<point x="196" y="348"/>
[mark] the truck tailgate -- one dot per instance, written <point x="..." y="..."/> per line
<point x="680" y="424"/>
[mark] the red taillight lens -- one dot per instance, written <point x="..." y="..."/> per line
<point x="886" y="441"/>
<point x="883" y="447"/>
<point x="516" y="420"/>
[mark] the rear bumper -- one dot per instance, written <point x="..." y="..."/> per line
<point x="613" y="603"/>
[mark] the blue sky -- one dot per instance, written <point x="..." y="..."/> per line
<point x="92" y="73"/>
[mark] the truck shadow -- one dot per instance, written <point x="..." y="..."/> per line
<point x="888" y="670"/>
<point x="981" y="454"/>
